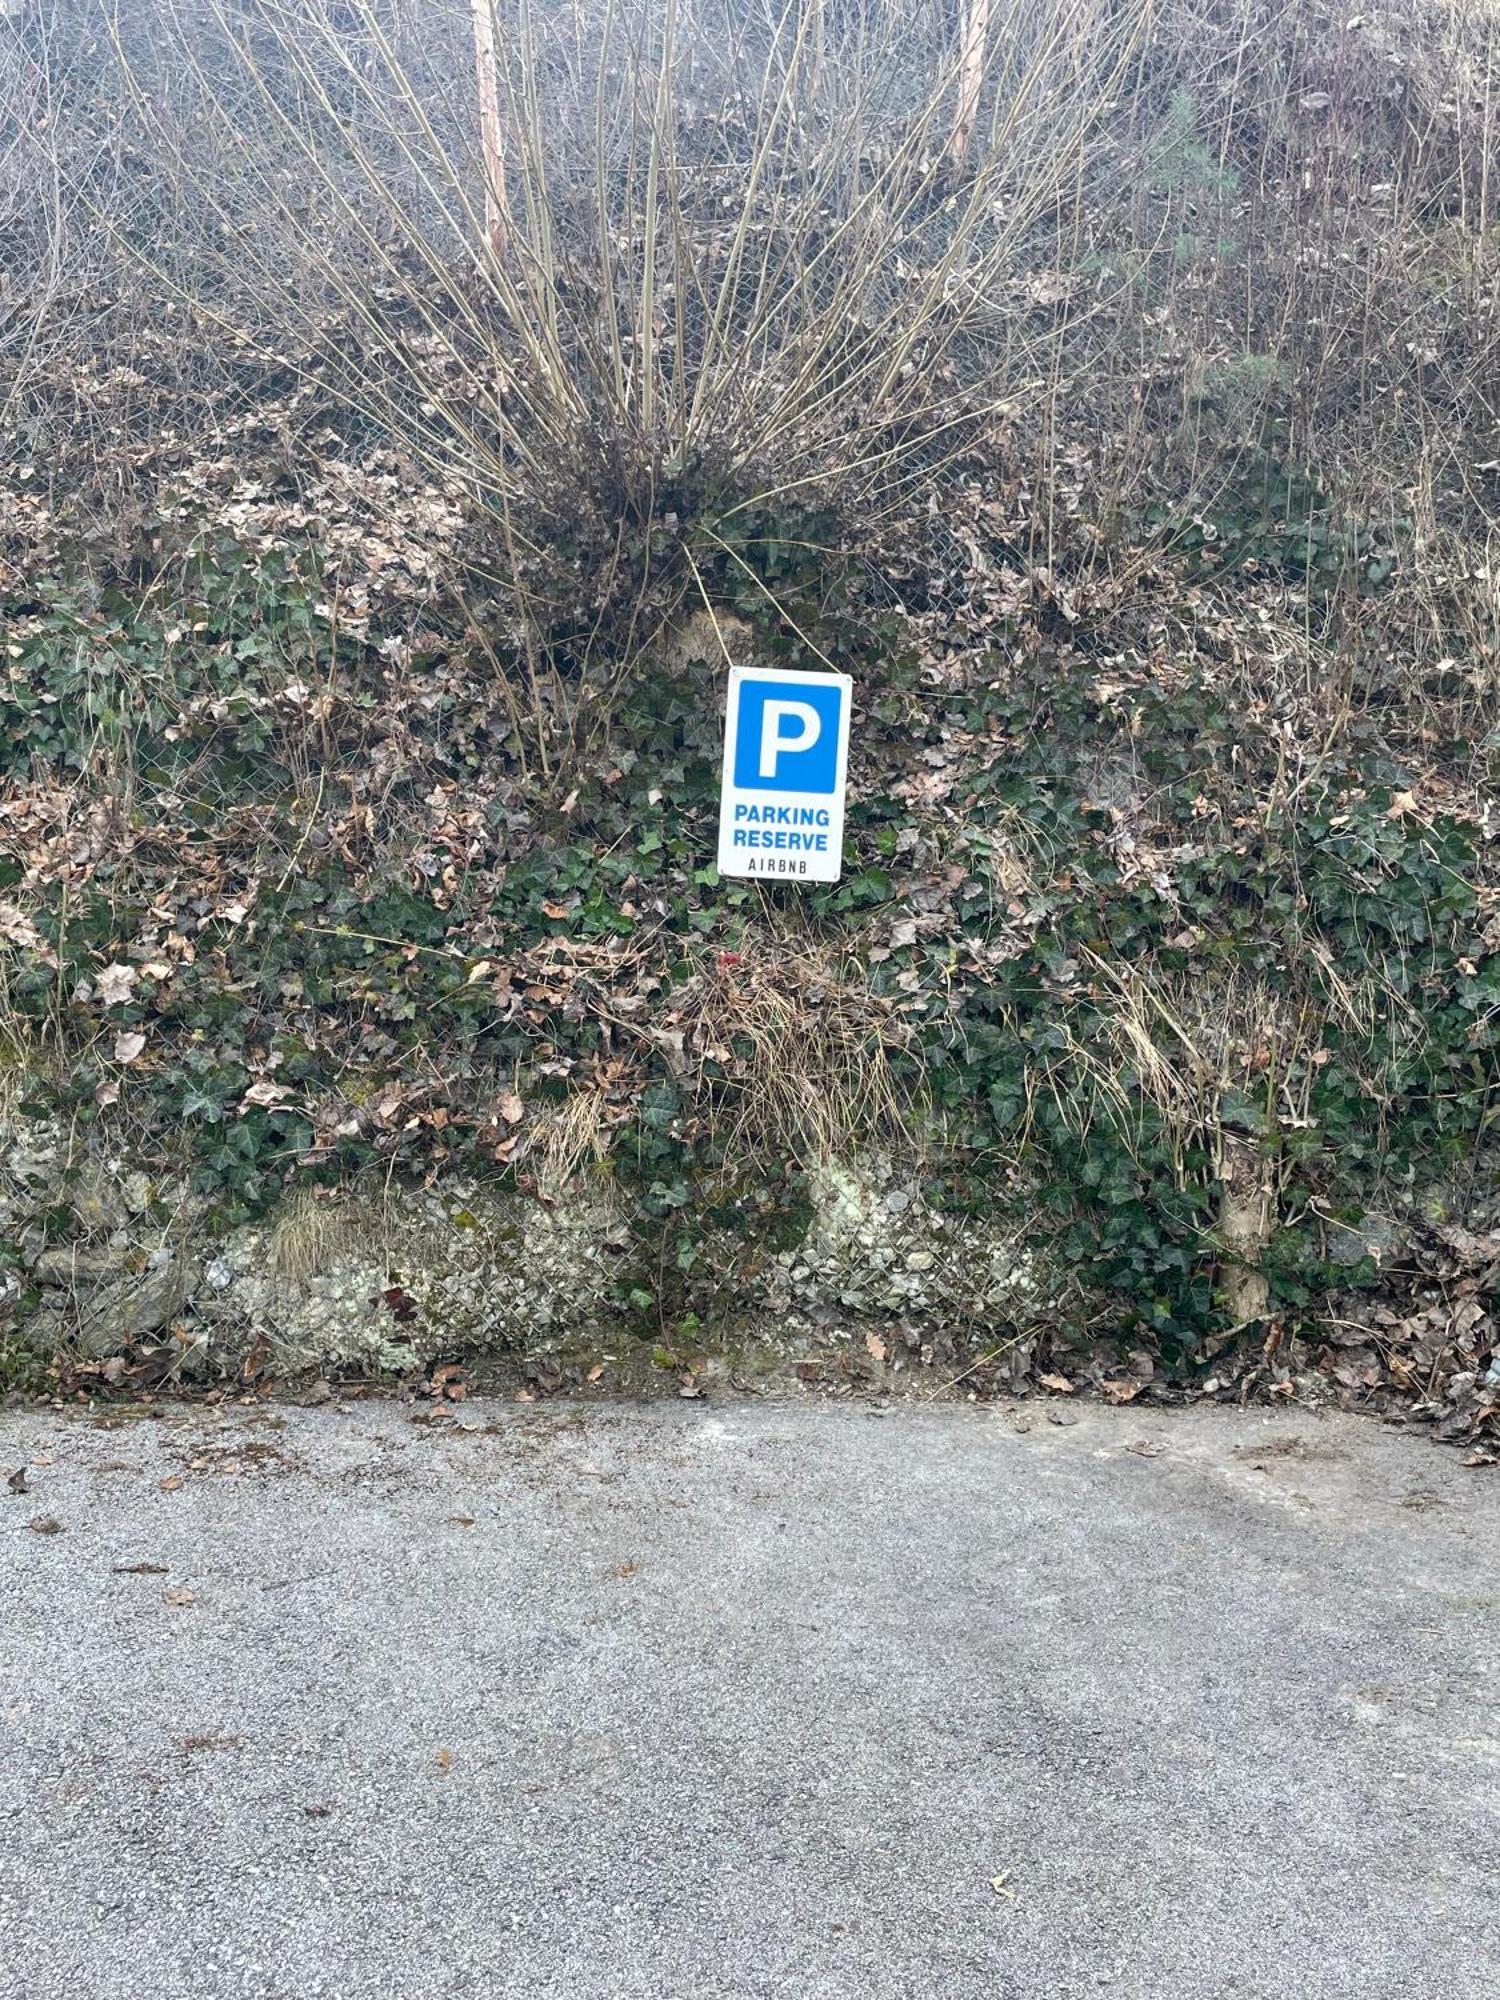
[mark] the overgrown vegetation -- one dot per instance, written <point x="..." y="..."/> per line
<point x="372" y="554"/>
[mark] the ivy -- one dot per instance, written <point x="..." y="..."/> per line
<point x="360" y="970"/>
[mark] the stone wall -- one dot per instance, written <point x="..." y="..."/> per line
<point x="383" y="1278"/>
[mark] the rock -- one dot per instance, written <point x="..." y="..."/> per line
<point x="340" y="1283"/>
<point x="97" y="1202"/>
<point x="1374" y="1236"/>
<point x="46" y="1331"/>
<point x="126" y="1311"/>
<point x="877" y="1248"/>
<point x="136" y="1192"/>
<point x="78" y="1264"/>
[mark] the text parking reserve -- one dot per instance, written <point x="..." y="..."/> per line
<point x="786" y="743"/>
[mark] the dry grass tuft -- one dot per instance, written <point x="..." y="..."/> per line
<point x="1197" y="1056"/>
<point x="571" y="1140"/>
<point x="314" y="1229"/>
<point x="793" y="1058"/>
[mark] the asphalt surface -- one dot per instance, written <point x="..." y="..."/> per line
<point x="783" y="1700"/>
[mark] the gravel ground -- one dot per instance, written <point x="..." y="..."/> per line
<point x="792" y="1700"/>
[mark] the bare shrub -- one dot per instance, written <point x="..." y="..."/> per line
<point x="743" y="272"/>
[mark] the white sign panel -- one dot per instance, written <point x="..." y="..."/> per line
<point x="786" y="747"/>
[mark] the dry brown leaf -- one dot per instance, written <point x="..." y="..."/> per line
<point x="115" y="984"/>
<point x="1120" y="1392"/>
<point x="265" y="1093"/>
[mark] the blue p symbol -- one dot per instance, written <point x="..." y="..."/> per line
<point x="788" y="736"/>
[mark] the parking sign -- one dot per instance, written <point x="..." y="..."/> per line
<point x="786" y="746"/>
